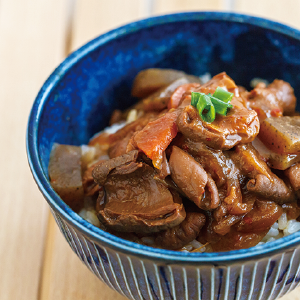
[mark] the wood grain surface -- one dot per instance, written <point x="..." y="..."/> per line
<point x="35" y="35"/>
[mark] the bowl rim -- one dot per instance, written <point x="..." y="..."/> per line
<point x="99" y="236"/>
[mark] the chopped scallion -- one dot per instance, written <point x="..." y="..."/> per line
<point x="220" y="106"/>
<point x="206" y="109"/>
<point x="222" y="95"/>
<point x="208" y="105"/>
<point x="195" y="98"/>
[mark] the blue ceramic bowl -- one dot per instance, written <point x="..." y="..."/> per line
<point x="77" y="101"/>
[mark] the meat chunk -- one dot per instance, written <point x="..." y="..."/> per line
<point x="263" y="181"/>
<point x="260" y="219"/>
<point x="119" y="147"/>
<point x="249" y="162"/>
<point x="240" y="125"/>
<point x="65" y="174"/>
<point x="101" y="171"/>
<point x="133" y="201"/>
<point x="225" y="175"/>
<point x="213" y="161"/>
<point x="276" y="190"/>
<point x="89" y="185"/>
<point x="223" y="226"/>
<point x="293" y="173"/>
<point x="179" y="236"/>
<point x="274" y="100"/>
<point x="160" y="99"/>
<point x="235" y="240"/>
<point x="211" y="198"/>
<point x="192" y="179"/>
<point x="180" y="93"/>
<point x="221" y="80"/>
<point x="189" y="175"/>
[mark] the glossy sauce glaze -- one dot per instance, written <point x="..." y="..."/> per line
<point x="171" y="177"/>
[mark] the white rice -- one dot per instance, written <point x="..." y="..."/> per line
<point x="194" y="245"/>
<point x="282" y="221"/>
<point x="132" y="116"/>
<point x="113" y="128"/>
<point x="88" y="213"/>
<point x="281" y="228"/>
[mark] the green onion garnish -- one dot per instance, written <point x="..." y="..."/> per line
<point x="220" y="106"/>
<point x="206" y="109"/>
<point x="195" y="98"/>
<point x="208" y="105"/>
<point x="223" y="95"/>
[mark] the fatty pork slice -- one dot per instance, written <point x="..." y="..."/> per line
<point x="182" y="234"/>
<point x="65" y="174"/>
<point x="240" y="125"/>
<point x="132" y="199"/>
<point x="192" y="179"/>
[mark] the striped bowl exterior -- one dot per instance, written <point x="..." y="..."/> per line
<point x="134" y="278"/>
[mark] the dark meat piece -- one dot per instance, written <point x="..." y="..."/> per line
<point x="133" y="200"/>
<point x="160" y="99"/>
<point x="293" y="173"/>
<point x="211" y="198"/>
<point x="249" y="162"/>
<point x="285" y="94"/>
<point x="165" y="168"/>
<point x="260" y="219"/>
<point x="239" y="126"/>
<point x="102" y="170"/>
<point x="179" y="236"/>
<point x="225" y="174"/>
<point x="274" y="100"/>
<point x="223" y="227"/>
<point x="192" y="179"/>
<point x="263" y="181"/>
<point x="89" y="185"/>
<point x="189" y="175"/>
<point x="120" y="146"/>
<point x="213" y="161"/>
<point x="235" y="240"/>
<point x="182" y="92"/>
<point x="276" y="190"/>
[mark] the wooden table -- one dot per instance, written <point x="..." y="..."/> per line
<point x="35" y="36"/>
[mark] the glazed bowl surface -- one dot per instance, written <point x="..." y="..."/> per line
<point x="76" y="102"/>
